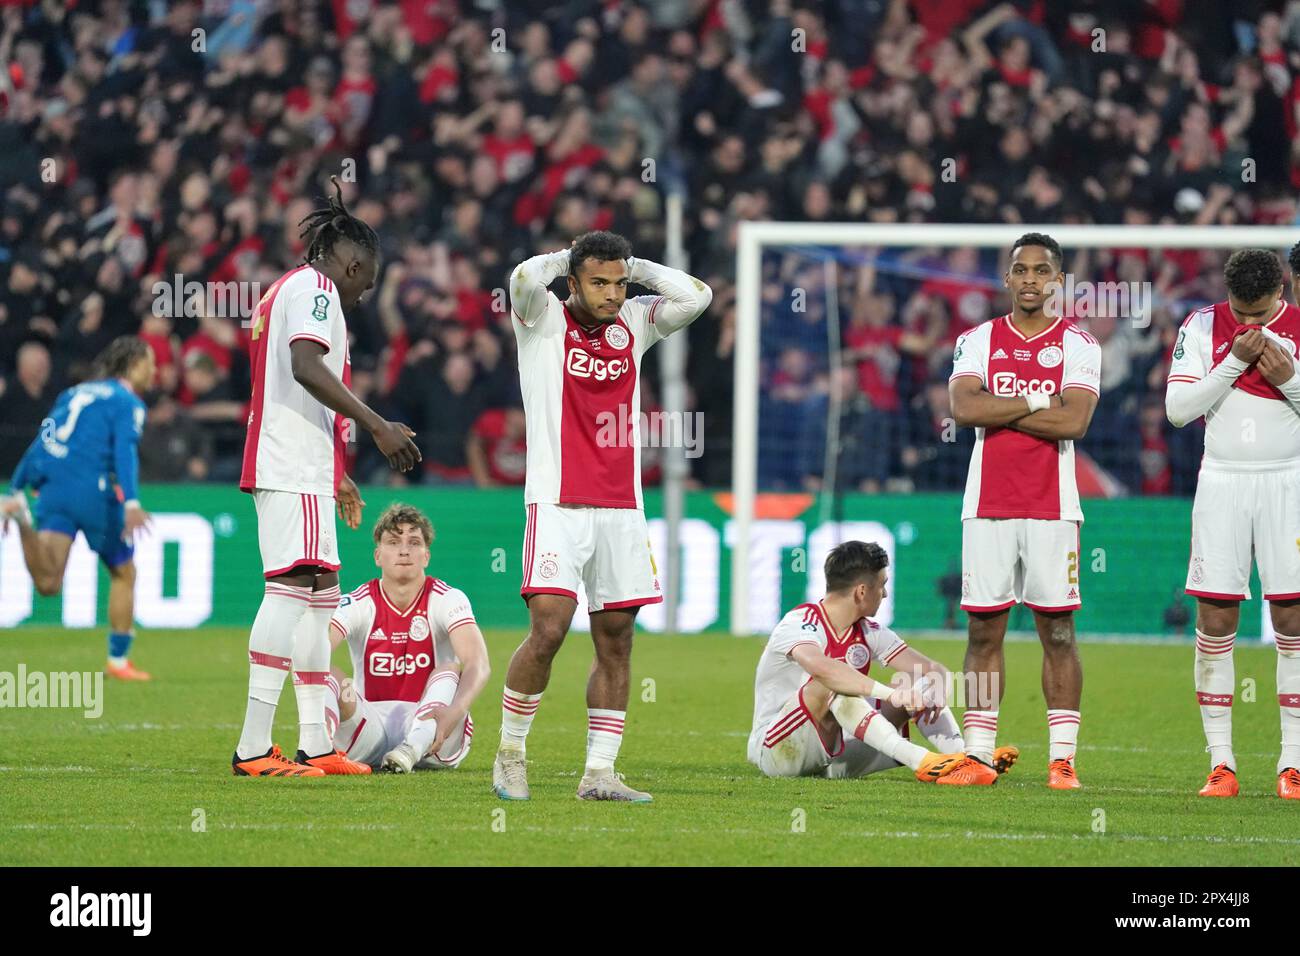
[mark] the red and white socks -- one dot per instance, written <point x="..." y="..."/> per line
<point x="1288" y="699"/>
<point x="1062" y="734"/>
<point x="517" y="713"/>
<point x="604" y="735"/>
<point x="311" y="666"/>
<point x="859" y="719"/>
<point x="1215" y="683"/>
<point x="942" y="732"/>
<point x="981" y="733"/>
<point x="270" y="644"/>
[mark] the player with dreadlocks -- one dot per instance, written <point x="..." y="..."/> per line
<point x="298" y="426"/>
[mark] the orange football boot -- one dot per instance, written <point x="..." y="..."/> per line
<point x="1004" y="758"/>
<point x="1061" y="776"/>
<point x="1288" y="784"/>
<point x="935" y="766"/>
<point x="971" y="772"/>
<point x="125" y="672"/>
<point x="336" y="763"/>
<point x="271" y="764"/>
<point x="1222" y="782"/>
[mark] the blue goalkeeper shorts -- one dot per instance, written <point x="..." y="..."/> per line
<point x="99" y="515"/>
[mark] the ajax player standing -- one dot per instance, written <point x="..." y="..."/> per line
<point x="579" y="366"/>
<point x="1028" y="383"/>
<point x="293" y="466"/>
<point x="1234" y="363"/>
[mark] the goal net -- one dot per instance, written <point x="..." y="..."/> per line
<point x="844" y="344"/>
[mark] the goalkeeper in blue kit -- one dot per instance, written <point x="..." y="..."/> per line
<point x="84" y="470"/>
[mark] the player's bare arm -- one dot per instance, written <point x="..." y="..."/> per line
<point x="1066" y="418"/>
<point x="974" y="406"/>
<point x="392" y="438"/>
<point x="471" y="650"/>
<point x="840" y="678"/>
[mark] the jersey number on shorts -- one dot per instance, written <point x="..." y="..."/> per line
<point x="1073" y="574"/>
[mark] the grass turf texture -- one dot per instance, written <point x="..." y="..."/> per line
<point x="123" y="789"/>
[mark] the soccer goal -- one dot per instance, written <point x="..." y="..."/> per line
<point x="827" y="313"/>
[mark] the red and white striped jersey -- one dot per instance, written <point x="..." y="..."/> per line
<point x="779" y="676"/>
<point x="394" y="650"/>
<point x="294" y="442"/>
<point x="1249" y="421"/>
<point x="1013" y="474"/>
<point x="582" y="389"/>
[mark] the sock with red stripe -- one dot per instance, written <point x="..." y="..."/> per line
<point x="981" y="727"/>
<point x="1215" y="681"/>
<point x="517" y="713"/>
<point x="1062" y="734"/>
<point x="604" y="734"/>
<point x="942" y="731"/>
<point x="859" y="719"/>
<point x="1288" y="699"/>
<point x="331" y="706"/>
<point x="270" y="644"/>
<point x="311" y="669"/>
<point x="438" y="693"/>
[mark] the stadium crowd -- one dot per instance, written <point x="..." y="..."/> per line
<point x="144" y="145"/>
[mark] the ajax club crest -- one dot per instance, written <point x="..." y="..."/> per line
<point x="616" y="336"/>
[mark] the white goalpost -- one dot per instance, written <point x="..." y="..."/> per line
<point x="755" y="237"/>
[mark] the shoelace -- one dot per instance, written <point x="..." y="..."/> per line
<point x="1220" y="774"/>
<point x="1065" y="768"/>
<point x="1292" y="776"/>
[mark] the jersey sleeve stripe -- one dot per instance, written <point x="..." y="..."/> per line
<point x="464" y="620"/>
<point x="902" y="646"/>
<point x="790" y="650"/>
<point x="651" y="317"/>
<point x="1088" y="388"/>
<point x="1183" y="378"/>
<point x="957" y="375"/>
<point x="338" y="627"/>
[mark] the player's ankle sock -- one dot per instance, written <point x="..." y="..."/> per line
<point x="439" y="692"/>
<point x="119" y="646"/>
<point x="311" y="669"/>
<point x="604" y="734"/>
<point x="270" y="644"/>
<point x="1288" y="699"/>
<point x="859" y="719"/>
<point x="981" y="733"/>
<point x="517" y="713"/>
<point x="1062" y="734"/>
<point x="1215" y="682"/>
<point x="942" y="732"/>
<point x="331" y="705"/>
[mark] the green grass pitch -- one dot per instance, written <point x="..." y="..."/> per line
<point x="130" y="787"/>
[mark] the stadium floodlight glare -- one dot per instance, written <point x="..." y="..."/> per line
<point x="754" y="237"/>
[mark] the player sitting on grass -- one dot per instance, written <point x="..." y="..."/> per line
<point x="84" y="468"/>
<point x="817" y="713"/>
<point x="418" y="658"/>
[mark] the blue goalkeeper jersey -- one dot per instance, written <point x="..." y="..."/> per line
<point x="90" y="440"/>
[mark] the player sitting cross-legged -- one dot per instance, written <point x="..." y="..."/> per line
<point x="817" y="713"/>
<point x="418" y="658"/>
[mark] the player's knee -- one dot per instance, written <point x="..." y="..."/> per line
<point x="124" y="573"/>
<point x="47" y="585"/>
<point x="1058" y="637"/>
<point x="545" y="637"/>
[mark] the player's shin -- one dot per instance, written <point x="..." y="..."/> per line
<point x="1215" y="682"/>
<point x="1288" y="699"/>
<point x="942" y="730"/>
<point x="270" y="645"/>
<point x="859" y="719"/>
<point x="438" y="693"/>
<point x="311" y="665"/>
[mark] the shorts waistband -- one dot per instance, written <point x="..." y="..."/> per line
<point x="1250" y="467"/>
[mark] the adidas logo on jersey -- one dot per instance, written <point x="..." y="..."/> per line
<point x="1073" y="595"/>
<point x="1000" y="354"/>
<point x="1219" y="350"/>
<point x="573" y="334"/>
